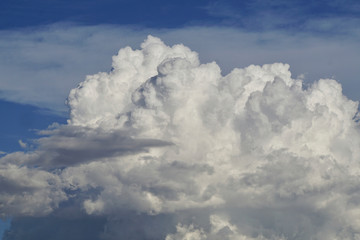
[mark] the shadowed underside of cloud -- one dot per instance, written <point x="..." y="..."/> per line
<point x="73" y="145"/>
<point x="164" y="147"/>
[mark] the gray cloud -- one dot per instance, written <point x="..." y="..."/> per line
<point x="75" y="145"/>
<point x="69" y="146"/>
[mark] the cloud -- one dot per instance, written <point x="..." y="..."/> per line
<point x="72" y="145"/>
<point x="22" y="144"/>
<point x="28" y="191"/>
<point x="41" y="65"/>
<point x="166" y="147"/>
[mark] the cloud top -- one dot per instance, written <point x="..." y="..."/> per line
<point x="250" y="155"/>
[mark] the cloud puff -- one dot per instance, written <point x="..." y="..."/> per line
<point x="165" y="139"/>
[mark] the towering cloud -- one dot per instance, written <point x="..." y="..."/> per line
<point x="164" y="147"/>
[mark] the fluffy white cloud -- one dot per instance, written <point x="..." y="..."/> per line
<point x="253" y="154"/>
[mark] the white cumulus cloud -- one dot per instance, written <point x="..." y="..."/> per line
<point x="253" y="154"/>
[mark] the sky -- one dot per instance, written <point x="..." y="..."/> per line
<point x="133" y="142"/>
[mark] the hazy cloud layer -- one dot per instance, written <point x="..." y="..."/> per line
<point x="165" y="141"/>
<point x="41" y="65"/>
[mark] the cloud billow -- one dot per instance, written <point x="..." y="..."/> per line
<point x="167" y="141"/>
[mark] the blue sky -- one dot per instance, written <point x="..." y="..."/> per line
<point x="249" y="15"/>
<point x="47" y="47"/>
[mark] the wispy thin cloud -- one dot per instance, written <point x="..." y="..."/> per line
<point x="40" y="65"/>
<point x="317" y="18"/>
